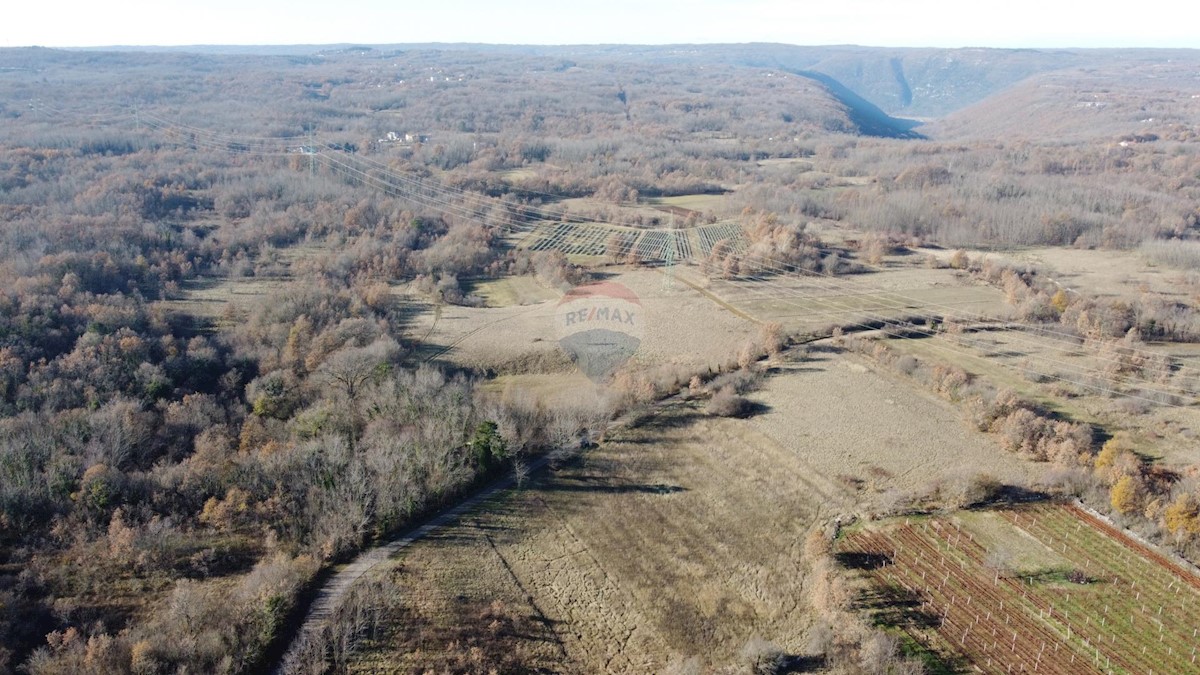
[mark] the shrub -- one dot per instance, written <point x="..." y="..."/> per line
<point x="772" y="338"/>
<point x="1078" y="576"/>
<point x="965" y="489"/>
<point x="907" y="364"/>
<point x="760" y="657"/>
<point x="1126" y="495"/>
<point x="741" y="381"/>
<point x="726" y="403"/>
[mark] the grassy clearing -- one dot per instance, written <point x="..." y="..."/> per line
<point x="1046" y="588"/>
<point x="510" y="291"/>
<point x="872" y="431"/>
<point x="679" y="325"/>
<point x="696" y="202"/>
<point x="571" y="389"/>
<point x="213" y="298"/>
<point x="806" y="303"/>
<point x="799" y="162"/>
<point x="517" y="175"/>
<point x="679" y="537"/>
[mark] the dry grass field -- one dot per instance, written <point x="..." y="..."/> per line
<point x="807" y="303"/>
<point x="698" y="202"/>
<point x="852" y="423"/>
<point x="509" y="291"/>
<point x="213" y="298"/>
<point x="219" y="298"/>
<point x="680" y="537"/>
<point x="1105" y="273"/>
<point x="681" y="326"/>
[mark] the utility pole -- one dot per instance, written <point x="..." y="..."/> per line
<point x="672" y="245"/>
<point x="312" y="153"/>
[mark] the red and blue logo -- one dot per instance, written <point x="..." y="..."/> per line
<point x="599" y="327"/>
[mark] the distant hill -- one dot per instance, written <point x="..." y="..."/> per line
<point x="918" y="83"/>
<point x="880" y="86"/>
<point x="1124" y="101"/>
<point x="459" y="91"/>
<point x="923" y="83"/>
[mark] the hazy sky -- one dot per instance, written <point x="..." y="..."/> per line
<point x="937" y="23"/>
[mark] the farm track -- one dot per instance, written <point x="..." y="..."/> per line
<point x="334" y="589"/>
<point x="1005" y="624"/>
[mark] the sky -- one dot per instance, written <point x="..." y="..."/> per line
<point x="891" y="23"/>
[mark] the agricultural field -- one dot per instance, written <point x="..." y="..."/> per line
<point x="254" y="344"/>
<point x="716" y="510"/>
<point x="658" y="244"/>
<point x="807" y="303"/>
<point x="681" y="326"/>
<point x="1044" y="588"/>
<point x="679" y="537"/>
<point x="870" y="432"/>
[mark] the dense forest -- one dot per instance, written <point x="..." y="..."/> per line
<point x="170" y="484"/>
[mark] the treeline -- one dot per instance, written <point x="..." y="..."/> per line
<point x="1111" y="326"/>
<point x="1003" y="194"/>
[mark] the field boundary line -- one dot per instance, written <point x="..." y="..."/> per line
<point x="716" y="300"/>
<point x="1188" y="570"/>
